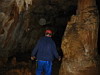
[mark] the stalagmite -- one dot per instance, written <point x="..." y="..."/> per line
<point x="79" y="44"/>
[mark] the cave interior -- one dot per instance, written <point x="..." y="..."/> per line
<point x="45" y="14"/>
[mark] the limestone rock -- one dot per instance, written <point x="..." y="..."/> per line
<point x="79" y="42"/>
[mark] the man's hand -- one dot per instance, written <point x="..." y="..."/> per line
<point x="59" y="58"/>
<point x="32" y="57"/>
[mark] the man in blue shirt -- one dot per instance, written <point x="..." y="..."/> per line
<point x="45" y="51"/>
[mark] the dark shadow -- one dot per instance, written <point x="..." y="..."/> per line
<point x="98" y="44"/>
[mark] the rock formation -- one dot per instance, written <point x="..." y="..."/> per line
<point x="79" y="42"/>
<point x="21" y="26"/>
<point x="15" y="28"/>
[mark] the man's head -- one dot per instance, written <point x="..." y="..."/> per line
<point x="48" y="33"/>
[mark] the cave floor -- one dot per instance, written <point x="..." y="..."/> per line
<point x="25" y="68"/>
<point x="29" y="67"/>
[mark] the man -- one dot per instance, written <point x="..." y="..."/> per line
<point x="45" y="51"/>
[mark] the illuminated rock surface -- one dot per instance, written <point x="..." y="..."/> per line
<point x="79" y="43"/>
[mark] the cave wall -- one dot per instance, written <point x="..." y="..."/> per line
<point x="16" y="32"/>
<point x="79" y="44"/>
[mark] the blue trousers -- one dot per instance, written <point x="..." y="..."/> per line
<point x="45" y="66"/>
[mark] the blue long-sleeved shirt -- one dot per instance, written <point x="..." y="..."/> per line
<point x="45" y="49"/>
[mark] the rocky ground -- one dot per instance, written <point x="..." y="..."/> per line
<point x="28" y="67"/>
<point x="14" y="67"/>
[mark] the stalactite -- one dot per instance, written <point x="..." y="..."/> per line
<point x="23" y="4"/>
<point x="28" y="2"/>
<point x="20" y="4"/>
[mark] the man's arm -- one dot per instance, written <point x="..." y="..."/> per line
<point x="34" y="51"/>
<point x="55" y="53"/>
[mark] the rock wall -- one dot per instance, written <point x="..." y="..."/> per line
<point x="79" y="44"/>
<point x="16" y="34"/>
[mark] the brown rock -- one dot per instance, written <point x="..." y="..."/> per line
<point x="79" y="43"/>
